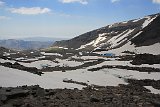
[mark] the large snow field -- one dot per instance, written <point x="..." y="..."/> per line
<point x="105" y="77"/>
<point x="12" y="77"/>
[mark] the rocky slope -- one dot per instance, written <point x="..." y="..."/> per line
<point x="120" y="96"/>
<point x="140" y="32"/>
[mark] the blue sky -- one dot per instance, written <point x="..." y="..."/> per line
<point x="67" y="18"/>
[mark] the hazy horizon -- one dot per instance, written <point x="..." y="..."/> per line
<point x="36" y="37"/>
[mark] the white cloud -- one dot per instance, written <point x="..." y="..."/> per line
<point x="113" y="1"/>
<point x="2" y="3"/>
<point x="156" y="1"/>
<point x="30" y="11"/>
<point x="4" y="18"/>
<point x="72" y="1"/>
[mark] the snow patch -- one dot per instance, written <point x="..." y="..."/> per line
<point x="4" y="61"/>
<point x="66" y="62"/>
<point x="124" y="22"/>
<point x="153" y="90"/>
<point x="6" y="54"/>
<point x="137" y="34"/>
<point x="40" y="64"/>
<point x="50" y="54"/>
<point x="88" y="44"/>
<point x="148" y="21"/>
<point x="99" y="39"/>
<point x="132" y="74"/>
<point x="136" y="20"/>
<point x="116" y="40"/>
<point x="94" y="43"/>
<point x="152" y="49"/>
<point x="26" y="59"/>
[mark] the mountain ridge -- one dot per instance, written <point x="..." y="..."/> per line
<point x="116" y="35"/>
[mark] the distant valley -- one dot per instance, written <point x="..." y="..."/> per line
<point x="32" y="43"/>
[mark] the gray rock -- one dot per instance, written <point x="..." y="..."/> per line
<point x="15" y="93"/>
<point x="156" y="103"/>
<point x="3" y="97"/>
<point x="7" y="105"/>
<point x="40" y="92"/>
<point x="94" y="99"/>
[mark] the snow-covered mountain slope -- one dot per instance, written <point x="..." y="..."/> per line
<point x="151" y="49"/>
<point x="137" y="33"/>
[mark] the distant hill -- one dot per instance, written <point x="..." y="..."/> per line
<point x="42" y="39"/>
<point x="24" y="45"/>
<point x="29" y="43"/>
<point x="2" y="50"/>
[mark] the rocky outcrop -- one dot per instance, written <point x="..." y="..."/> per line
<point x="146" y="82"/>
<point x="64" y="68"/>
<point x="150" y="34"/>
<point x="140" y="69"/>
<point x="146" y="59"/>
<point x="16" y="65"/>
